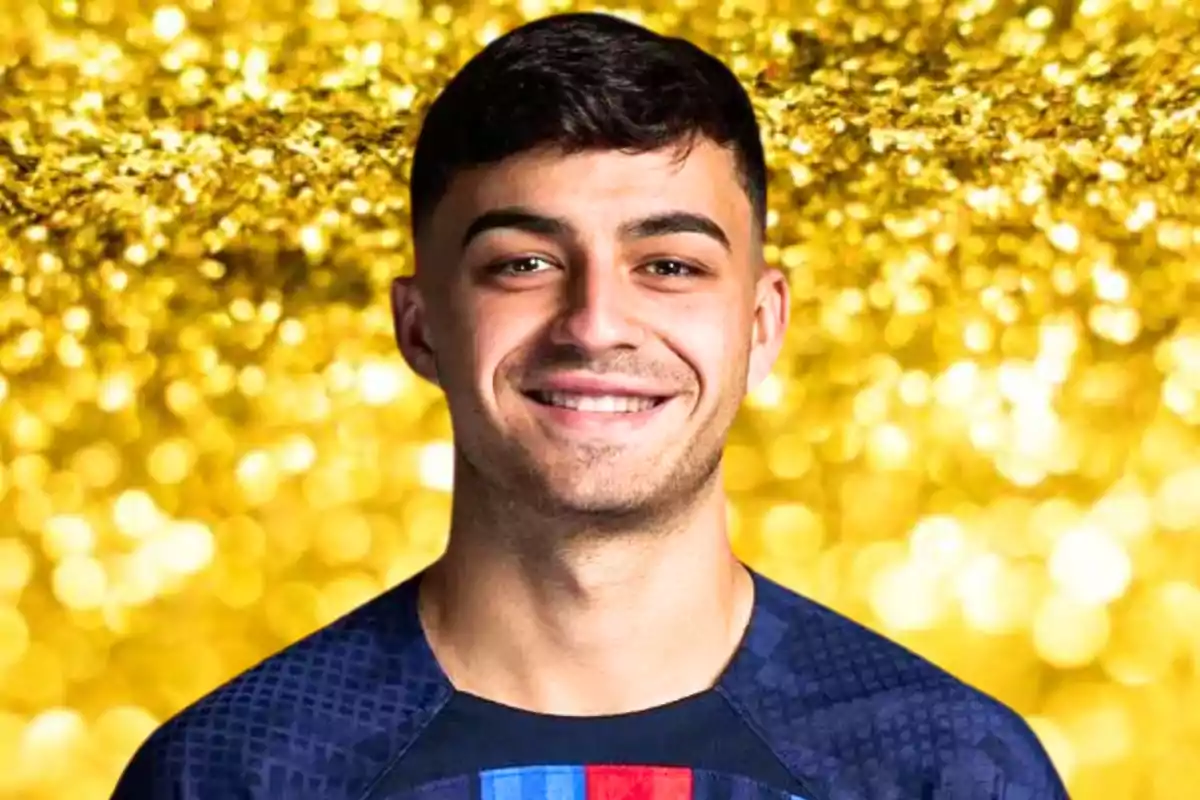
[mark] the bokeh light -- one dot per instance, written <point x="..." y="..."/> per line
<point x="981" y="439"/>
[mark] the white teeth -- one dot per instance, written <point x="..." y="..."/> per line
<point x="604" y="404"/>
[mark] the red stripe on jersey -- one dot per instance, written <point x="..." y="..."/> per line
<point x="638" y="783"/>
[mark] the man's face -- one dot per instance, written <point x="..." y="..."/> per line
<point x="594" y="320"/>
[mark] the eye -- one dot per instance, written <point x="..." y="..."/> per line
<point x="526" y="265"/>
<point x="670" y="268"/>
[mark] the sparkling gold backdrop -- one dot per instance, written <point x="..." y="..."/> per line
<point x="982" y="439"/>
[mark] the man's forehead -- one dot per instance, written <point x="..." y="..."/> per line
<point x="601" y="188"/>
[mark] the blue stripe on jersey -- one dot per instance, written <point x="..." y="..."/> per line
<point x="533" y="783"/>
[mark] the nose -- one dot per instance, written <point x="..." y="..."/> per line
<point x="599" y="307"/>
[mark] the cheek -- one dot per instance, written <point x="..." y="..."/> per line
<point x="502" y="328"/>
<point x="712" y="340"/>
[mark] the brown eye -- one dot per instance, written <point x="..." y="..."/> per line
<point x="670" y="268"/>
<point x="521" y="266"/>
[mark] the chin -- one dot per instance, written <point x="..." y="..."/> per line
<point x="597" y="486"/>
<point x="590" y="497"/>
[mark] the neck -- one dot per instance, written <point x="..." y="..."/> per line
<point x="579" y="625"/>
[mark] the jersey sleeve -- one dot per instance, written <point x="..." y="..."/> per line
<point x="855" y="715"/>
<point x="1000" y="759"/>
<point x="318" y="720"/>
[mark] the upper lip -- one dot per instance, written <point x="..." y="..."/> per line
<point x="595" y="386"/>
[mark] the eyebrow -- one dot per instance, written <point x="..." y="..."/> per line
<point x="665" y="224"/>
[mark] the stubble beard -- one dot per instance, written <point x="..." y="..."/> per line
<point x="524" y="498"/>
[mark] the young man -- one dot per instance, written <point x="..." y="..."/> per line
<point x="588" y="203"/>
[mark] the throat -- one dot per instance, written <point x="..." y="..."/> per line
<point x="551" y="647"/>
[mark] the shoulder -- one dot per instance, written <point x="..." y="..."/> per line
<point x="324" y="716"/>
<point x="855" y="714"/>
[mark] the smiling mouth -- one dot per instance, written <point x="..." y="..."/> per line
<point x="596" y="403"/>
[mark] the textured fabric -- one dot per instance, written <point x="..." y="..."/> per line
<point x="850" y="715"/>
<point x="319" y="720"/>
<point x="857" y="717"/>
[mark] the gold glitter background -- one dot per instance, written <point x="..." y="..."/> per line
<point x="982" y="439"/>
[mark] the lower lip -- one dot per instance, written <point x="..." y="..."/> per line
<point x="599" y="421"/>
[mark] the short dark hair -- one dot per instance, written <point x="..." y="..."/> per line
<point x="578" y="82"/>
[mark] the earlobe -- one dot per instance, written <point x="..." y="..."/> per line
<point x="411" y="331"/>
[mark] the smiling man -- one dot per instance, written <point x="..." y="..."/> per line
<point x="588" y="205"/>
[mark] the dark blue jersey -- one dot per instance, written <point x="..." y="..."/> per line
<point x="812" y="706"/>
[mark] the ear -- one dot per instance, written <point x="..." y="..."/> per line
<point x="410" y="321"/>
<point x="772" y="311"/>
